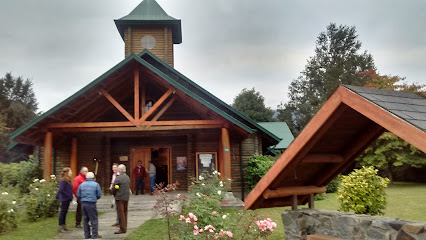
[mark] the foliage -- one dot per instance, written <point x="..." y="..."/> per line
<point x="244" y="225"/>
<point x="8" y="212"/>
<point x="257" y="167"/>
<point x="18" y="105"/>
<point x="389" y="150"/>
<point x="363" y="191"/>
<point x="19" y="174"/>
<point x="206" y="195"/>
<point x="320" y="196"/>
<point x="334" y="185"/>
<point x="336" y="61"/>
<point x="166" y="203"/>
<point x="41" y="201"/>
<point x="252" y="104"/>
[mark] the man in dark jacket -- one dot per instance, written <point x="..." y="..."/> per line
<point x="81" y="178"/>
<point x="121" y="192"/>
<point x="89" y="192"/>
<point x="139" y="173"/>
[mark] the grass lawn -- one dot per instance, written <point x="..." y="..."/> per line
<point x="405" y="200"/>
<point x="43" y="229"/>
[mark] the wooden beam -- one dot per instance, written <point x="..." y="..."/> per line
<point x="47" y="156"/>
<point x="323" y="158"/>
<point x="136" y="98"/>
<point x="226" y="151"/>
<point x="391" y="122"/>
<point x="311" y="202"/>
<point x="290" y="191"/>
<point x="164" y="109"/>
<point x="133" y="129"/>
<point x="73" y="160"/>
<point x="129" y="124"/>
<point x="157" y="104"/>
<point x="352" y="151"/>
<point x="294" y="202"/>
<point x="117" y="105"/>
<point x="143" y="98"/>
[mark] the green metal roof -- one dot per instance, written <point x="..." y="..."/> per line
<point x="281" y="130"/>
<point x="149" y="12"/>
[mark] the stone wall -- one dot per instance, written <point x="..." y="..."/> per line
<point x="300" y="223"/>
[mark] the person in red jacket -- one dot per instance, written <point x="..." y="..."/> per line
<point x="81" y="178"/>
<point x="139" y="173"/>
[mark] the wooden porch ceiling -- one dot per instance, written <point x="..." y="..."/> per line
<point x="341" y="130"/>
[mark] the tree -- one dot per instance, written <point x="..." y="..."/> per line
<point x="252" y="104"/>
<point x="389" y="150"/>
<point x="18" y="105"/>
<point x="337" y="60"/>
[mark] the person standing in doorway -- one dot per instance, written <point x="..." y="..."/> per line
<point x="121" y="192"/>
<point x="89" y="192"/>
<point x="81" y="178"/>
<point x="139" y="173"/>
<point x="65" y="197"/>
<point x="114" y="175"/>
<point x="152" y="174"/>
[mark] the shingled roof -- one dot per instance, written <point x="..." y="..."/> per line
<point x="407" y="105"/>
<point x="350" y="120"/>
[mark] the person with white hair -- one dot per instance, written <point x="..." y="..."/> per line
<point x="121" y="192"/>
<point x="89" y="192"/>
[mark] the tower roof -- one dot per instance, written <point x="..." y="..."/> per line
<point x="149" y="12"/>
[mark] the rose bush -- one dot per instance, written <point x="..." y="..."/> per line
<point x="8" y="212"/>
<point x="41" y="201"/>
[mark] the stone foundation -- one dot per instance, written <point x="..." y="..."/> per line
<point x="301" y="223"/>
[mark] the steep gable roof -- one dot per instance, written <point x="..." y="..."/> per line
<point x="231" y="114"/>
<point x="349" y="121"/>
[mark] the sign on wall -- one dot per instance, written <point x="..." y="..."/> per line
<point x="206" y="162"/>
<point x="181" y="163"/>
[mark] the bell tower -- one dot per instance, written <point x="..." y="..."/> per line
<point x="148" y="26"/>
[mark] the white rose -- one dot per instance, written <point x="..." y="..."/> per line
<point x="5" y="193"/>
<point x="224" y="216"/>
<point x="35" y="180"/>
<point x="221" y="184"/>
<point x="42" y="181"/>
<point x="48" y="195"/>
<point x="219" y="192"/>
<point x="36" y="189"/>
<point x="14" y="202"/>
<point x="200" y="178"/>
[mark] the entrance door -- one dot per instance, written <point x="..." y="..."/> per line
<point x="144" y="155"/>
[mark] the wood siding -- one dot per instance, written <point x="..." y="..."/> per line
<point x="163" y="41"/>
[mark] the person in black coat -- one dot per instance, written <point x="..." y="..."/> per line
<point x="65" y="197"/>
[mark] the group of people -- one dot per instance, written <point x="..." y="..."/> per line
<point x="88" y="191"/>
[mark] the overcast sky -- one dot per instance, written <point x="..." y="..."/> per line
<point x="227" y="45"/>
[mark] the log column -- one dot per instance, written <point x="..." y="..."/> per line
<point x="47" y="156"/>
<point x="73" y="160"/>
<point x="226" y="154"/>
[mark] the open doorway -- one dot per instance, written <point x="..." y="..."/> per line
<point x="160" y="157"/>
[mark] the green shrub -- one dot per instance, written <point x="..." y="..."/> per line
<point x="320" y="196"/>
<point x="19" y="174"/>
<point x="363" y="191"/>
<point x="333" y="186"/>
<point x="9" y="174"/>
<point x="8" y="211"/>
<point x="257" y="167"/>
<point x="41" y="201"/>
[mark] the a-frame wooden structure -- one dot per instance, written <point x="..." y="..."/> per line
<point x="350" y="120"/>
